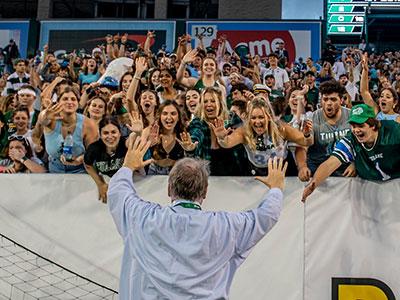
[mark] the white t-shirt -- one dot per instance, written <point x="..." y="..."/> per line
<point x="280" y="75"/>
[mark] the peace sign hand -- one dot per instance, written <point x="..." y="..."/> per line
<point x="186" y="142"/>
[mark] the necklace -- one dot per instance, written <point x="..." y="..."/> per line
<point x="260" y="145"/>
<point x="369" y="149"/>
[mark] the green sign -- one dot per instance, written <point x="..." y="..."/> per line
<point x="337" y="18"/>
<point x="337" y="8"/>
<point x="345" y="29"/>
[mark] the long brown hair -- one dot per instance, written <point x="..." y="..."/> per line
<point x="179" y="127"/>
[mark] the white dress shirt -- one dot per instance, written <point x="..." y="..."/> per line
<point x="175" y="252"/>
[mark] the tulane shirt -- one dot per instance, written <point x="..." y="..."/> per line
<point x="325" y="138"/>
<point x="382" y="161"/>
<point x="176" y="252"/>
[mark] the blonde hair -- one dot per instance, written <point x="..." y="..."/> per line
<point x="221" y="106"/>
<point x="272" y="129"/>
<point x="323" y="73"/>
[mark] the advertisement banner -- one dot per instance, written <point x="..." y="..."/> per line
<point x="17" y="31"/>
<point x="352" y="248"/>
<point x="302" y="39"/>
<point x="70" y="35"/>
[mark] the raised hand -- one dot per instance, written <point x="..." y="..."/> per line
<point x="53" y="113"/>
<point x="190" y="56"/>
<point x="276" y="173"/>
<point x="137" y="148"/>
<point x="186" y="142"/>
<point x="151" y="34"/>
<point x="136" y="125"/>
<point x="124" y="38"/>
<point x="140" y="65"/>
<point x="116" y="38"/>
<point x="109" y="39"/>
<point x="248" y="95"/>
<point x="307" y="127"/>
<point x="219" y="129"/>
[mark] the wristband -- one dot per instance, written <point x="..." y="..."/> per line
<point x="23" y="159"/>
<point x="307" y="135"/>
<point x="137" y="77"/>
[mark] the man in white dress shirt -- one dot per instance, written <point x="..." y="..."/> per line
<point x="180" y="251"/>
<point x="282" y="81"/>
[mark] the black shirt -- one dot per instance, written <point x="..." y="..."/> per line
<point x="97" y="157"/>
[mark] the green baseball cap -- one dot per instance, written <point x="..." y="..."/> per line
<point x="361" y="113"/>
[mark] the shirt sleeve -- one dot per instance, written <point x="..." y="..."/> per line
<point x="125" y="205"/>
<point x="344" y="150"/>
<point x="89" y="157"/>
<point x="285" y="76"/>
<point x="251" y="226"/>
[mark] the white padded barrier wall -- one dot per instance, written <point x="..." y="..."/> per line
<point x="347" y="229"/>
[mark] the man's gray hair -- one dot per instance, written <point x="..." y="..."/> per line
<point x="188" y="179"/>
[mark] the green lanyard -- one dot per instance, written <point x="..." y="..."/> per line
<point x="189" y="205"/>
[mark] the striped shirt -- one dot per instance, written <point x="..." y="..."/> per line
<point x="380" y="162"/>
<point x="14" y="83"/>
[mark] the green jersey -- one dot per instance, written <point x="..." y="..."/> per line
<point x="381" y="162"/>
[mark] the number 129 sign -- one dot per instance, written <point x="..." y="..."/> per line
<point x="301" y="39"/>
<point x="205" y="31"/>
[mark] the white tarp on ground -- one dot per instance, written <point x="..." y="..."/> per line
<point x="351" y="230"/>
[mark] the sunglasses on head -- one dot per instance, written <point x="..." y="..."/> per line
<point x="17" y="138"/>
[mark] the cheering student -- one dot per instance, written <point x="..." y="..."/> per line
<point x="180" y="251"/>
<point x="372" y="145"/>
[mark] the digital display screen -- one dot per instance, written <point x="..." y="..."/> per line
<point x="347" y="16"/>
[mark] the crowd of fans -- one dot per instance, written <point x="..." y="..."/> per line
<point x="234" y="110"/>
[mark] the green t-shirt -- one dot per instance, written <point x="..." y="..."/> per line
<point x="275" y="94"/>
<point x="381" y="162"/>
<point x="313" y="97"/>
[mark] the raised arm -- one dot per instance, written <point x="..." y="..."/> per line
<point x="253" y="225"/>
<point x="364" y="86"/>
<point x="226" y="140"/>
<point x="150" y="36"/>
<point x="302" y="138"/>
<point x="110" y="47"/>
<point x="188" y="58"/>
<point x="140" y="67"/>
<point x="123" y="201"/>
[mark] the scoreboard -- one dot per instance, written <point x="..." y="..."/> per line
<point x="347" y="16"/>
